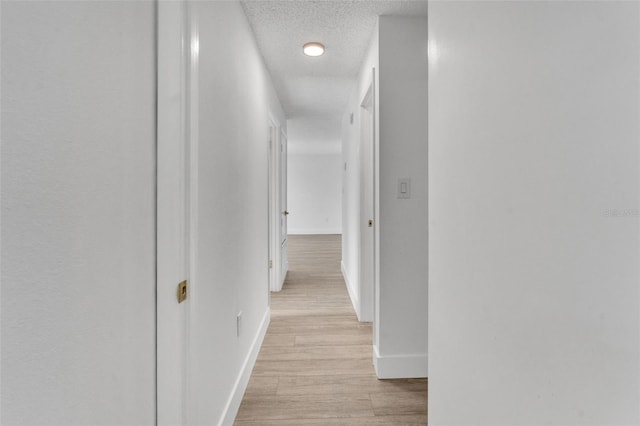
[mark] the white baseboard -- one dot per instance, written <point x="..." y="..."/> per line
<point x="352" y="294"/>
<point x="277" y="286"/>
<point x="284" y="276"/>
<point x="233" y="404"/>
<point x="314" y="231"/>
<point x="399" y="366"/>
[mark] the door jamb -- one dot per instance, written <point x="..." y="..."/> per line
<point x="368" y="295"/>
<point x="274" y="193"/>
<point x="176" y="206"/>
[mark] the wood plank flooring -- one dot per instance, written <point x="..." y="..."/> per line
<point x="315" y="366"/>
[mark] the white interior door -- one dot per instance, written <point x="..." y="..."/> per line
<point x="173" y="239"/>
<point x="273" y="208"/>
<point x="284" y="265"/>
<point x="367" y="202"/>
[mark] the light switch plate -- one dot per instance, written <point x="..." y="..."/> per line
<point x="404" y="188"/>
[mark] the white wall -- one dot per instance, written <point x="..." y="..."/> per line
<point x="402" y="281"/>
<point x="398" y="52"/>
<point x="351" y="175"/>
<point x="78" y="208"/>
<point x="315" y="193"/>
<point x="534" y="137"/>
<point x="314" y="176"/>
<point x="236" y="99"/>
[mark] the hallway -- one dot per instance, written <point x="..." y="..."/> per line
<point x="315" y="366"/>
<point x="485" y="157"/>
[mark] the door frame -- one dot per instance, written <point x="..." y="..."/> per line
<point x="283" y="243"/>
<point x="176" y="205"/>
<point x="367" y="291"/>
<point x="272" y="195"/>
<point x="275" y="136"/>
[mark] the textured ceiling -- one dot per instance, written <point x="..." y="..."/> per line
<point x="318" y="87"/>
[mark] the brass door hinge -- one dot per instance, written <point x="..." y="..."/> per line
<point x="182" y="291"/>
<point x="270" y="264"/>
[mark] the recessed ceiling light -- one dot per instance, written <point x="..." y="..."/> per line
<point x="313" y="49"/>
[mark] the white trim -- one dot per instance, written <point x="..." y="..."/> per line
<point x="376" y="202"/>
<point x="354" y="299"/>
<point x="174" y="177"/>
<point x="284" y="277"/>
<point x="274" y="204"/>
<point x="193" y="144"/>
<point x="277" y="286"/>
<point x="399" y="366"/>
<point x="284" y="220"/>
<point x="315" y="231"/>
<point x="233" y="404"/>
<point x="367" y="289"/>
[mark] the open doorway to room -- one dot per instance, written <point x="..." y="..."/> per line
<point x="277" y="205"/>
<point x="314" y="179"/>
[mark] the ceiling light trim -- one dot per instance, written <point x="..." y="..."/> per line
<point x="313" y="49"/>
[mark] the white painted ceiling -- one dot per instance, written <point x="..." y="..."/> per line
<point x="318" y="87"/>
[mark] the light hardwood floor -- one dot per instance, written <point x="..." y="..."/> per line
<point x="315" y="366"/>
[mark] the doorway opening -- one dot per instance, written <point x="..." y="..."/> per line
<point x="368" y="222"/>
<point x="277" y="206"/>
